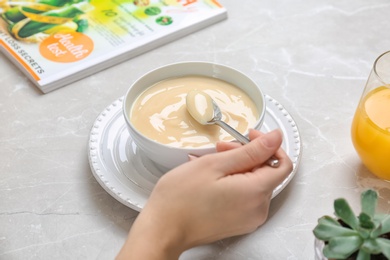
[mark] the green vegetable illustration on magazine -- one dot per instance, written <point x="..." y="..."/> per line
<point x="32" y="21"/>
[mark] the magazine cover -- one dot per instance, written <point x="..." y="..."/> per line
<point x="55" y="42"/>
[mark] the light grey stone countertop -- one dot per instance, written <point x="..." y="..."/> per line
<point x="314" y="57"/>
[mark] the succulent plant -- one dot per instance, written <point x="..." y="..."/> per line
<point x="364" y="235"/>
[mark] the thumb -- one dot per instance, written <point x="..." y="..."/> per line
<point x="253" y="154"/>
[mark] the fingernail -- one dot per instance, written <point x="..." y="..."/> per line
<point x="191" y="157"/>
<point x="271" y="139"/>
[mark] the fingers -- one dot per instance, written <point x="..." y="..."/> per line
<point x="272" y="177"/>
<point x="253" y="154"/>
<point x="253" y="134"/>
<point x="225" y="146"/>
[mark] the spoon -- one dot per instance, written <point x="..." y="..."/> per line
<point x="206" y="112"/>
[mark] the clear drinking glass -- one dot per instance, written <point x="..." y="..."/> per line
<point x="371" y="123"/>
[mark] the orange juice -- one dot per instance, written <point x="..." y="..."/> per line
<point x="371" y="131"/>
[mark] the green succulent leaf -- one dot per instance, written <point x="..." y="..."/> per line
<point x="384" y="244"/>
<point x="327" y="220"/>
<point x="342" y="247"/>
<point x="328" y="228"/>
<point x="366" y="221"/>
<point x="371" y="246"/>
<point x="364" y="233"/>
<point x="383" y="227"/>
<point x="363" y="255"/>
<point x="345" y="213"/>
<point x="369" y="200"/>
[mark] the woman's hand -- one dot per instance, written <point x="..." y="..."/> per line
<point x="212" y="197"/>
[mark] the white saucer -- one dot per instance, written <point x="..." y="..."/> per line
<point x="129" y="176"/>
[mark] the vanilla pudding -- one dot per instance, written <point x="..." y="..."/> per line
<point x="160" y="112"/>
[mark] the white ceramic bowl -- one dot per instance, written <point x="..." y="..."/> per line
<point x="167" y="156"/>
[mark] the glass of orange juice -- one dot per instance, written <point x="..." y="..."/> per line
<point x="371" y="123"/>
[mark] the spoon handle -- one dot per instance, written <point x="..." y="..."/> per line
<point x="233" y="132"/>
<point x="273" y="162"/>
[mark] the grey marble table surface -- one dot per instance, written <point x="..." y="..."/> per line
<point x="314" y="57"/>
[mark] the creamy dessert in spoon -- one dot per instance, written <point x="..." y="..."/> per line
<point x="200" y="106"/>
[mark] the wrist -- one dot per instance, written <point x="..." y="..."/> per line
<point x="153" y="239"/>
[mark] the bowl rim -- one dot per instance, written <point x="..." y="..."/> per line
<point x="188" y="149"/>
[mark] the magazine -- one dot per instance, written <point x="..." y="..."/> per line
<point x="56" y="42"/>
